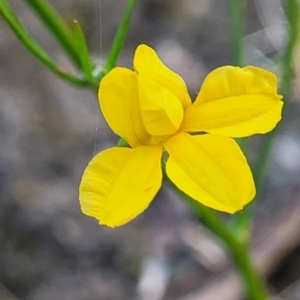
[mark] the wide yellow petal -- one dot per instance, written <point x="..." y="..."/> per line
<point x="118" y="98"/>
<point x="147" y="63"/>
<point x="211" y="169"/>
<point x="235" y="102"/>
<point x="119" y="184"/>
<point x="161" y="110"/>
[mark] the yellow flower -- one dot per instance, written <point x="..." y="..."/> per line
<point x="150" y="108"/>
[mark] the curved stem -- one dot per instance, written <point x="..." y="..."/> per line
<point x="26" y="39"/>
<point x="236" y="17"/>
<point x="238" y="250"/>
<point x="58" y="27"/>
<point x="260" y="167"/>
<point x="292" y="15"/>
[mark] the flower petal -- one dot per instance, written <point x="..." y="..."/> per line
<point x="119" y="184"/>
<point x="161" y="110"/>
<point x="211" y="169"/>
<point x="118" y="98"/>
<point x="235" y="102"/>
<point x="147" y="63"/>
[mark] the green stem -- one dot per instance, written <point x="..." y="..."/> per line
<point x="238" y="250"/>
<point x="253" y="283"/>
<point x="120" y="36"/>
<point x="58" y="27"/>
<point x="236" y="14"/>
<point x="26" y="39"/>
<point x="243" y="220"/>
<point x="292" y="14"/>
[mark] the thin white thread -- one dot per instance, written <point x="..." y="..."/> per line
<point x="100" y="55"/>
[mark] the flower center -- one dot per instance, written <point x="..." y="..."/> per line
<point x="161" y="110"/>
<point x="159" y="140"/>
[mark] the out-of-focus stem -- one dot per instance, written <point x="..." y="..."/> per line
<point x="58" y="27"/>
<point x="239" y="251"/>
<point x="236" y="16"/>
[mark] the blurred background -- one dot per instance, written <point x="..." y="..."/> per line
<point x="49" y="131"/>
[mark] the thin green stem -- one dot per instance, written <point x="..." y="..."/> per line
<point x="243" y="220"/>
<point x="58" y="27"/>
<point x="253" y="283"/>
<point x="26" y="39"/>
<point x="292" y="15"/>
<point x="236" y="16"/>
<point x="120" y="36"/>
<point x="238" y="250"/>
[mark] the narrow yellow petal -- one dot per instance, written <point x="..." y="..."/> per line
<point x="235" y="102"/>
<point x="161" y="110"/>
<point x="146" y="62"/>
<point x="119" y="184"/>
<point x="211" y="169"/>
<point x="118" y="98"/>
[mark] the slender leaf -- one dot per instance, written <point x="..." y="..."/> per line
<point x="25" y="38"/>
<point x="82" y="50"/>
<point x="56" y="24"/>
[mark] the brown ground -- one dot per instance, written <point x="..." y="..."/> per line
<point x="48" y="130"/>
